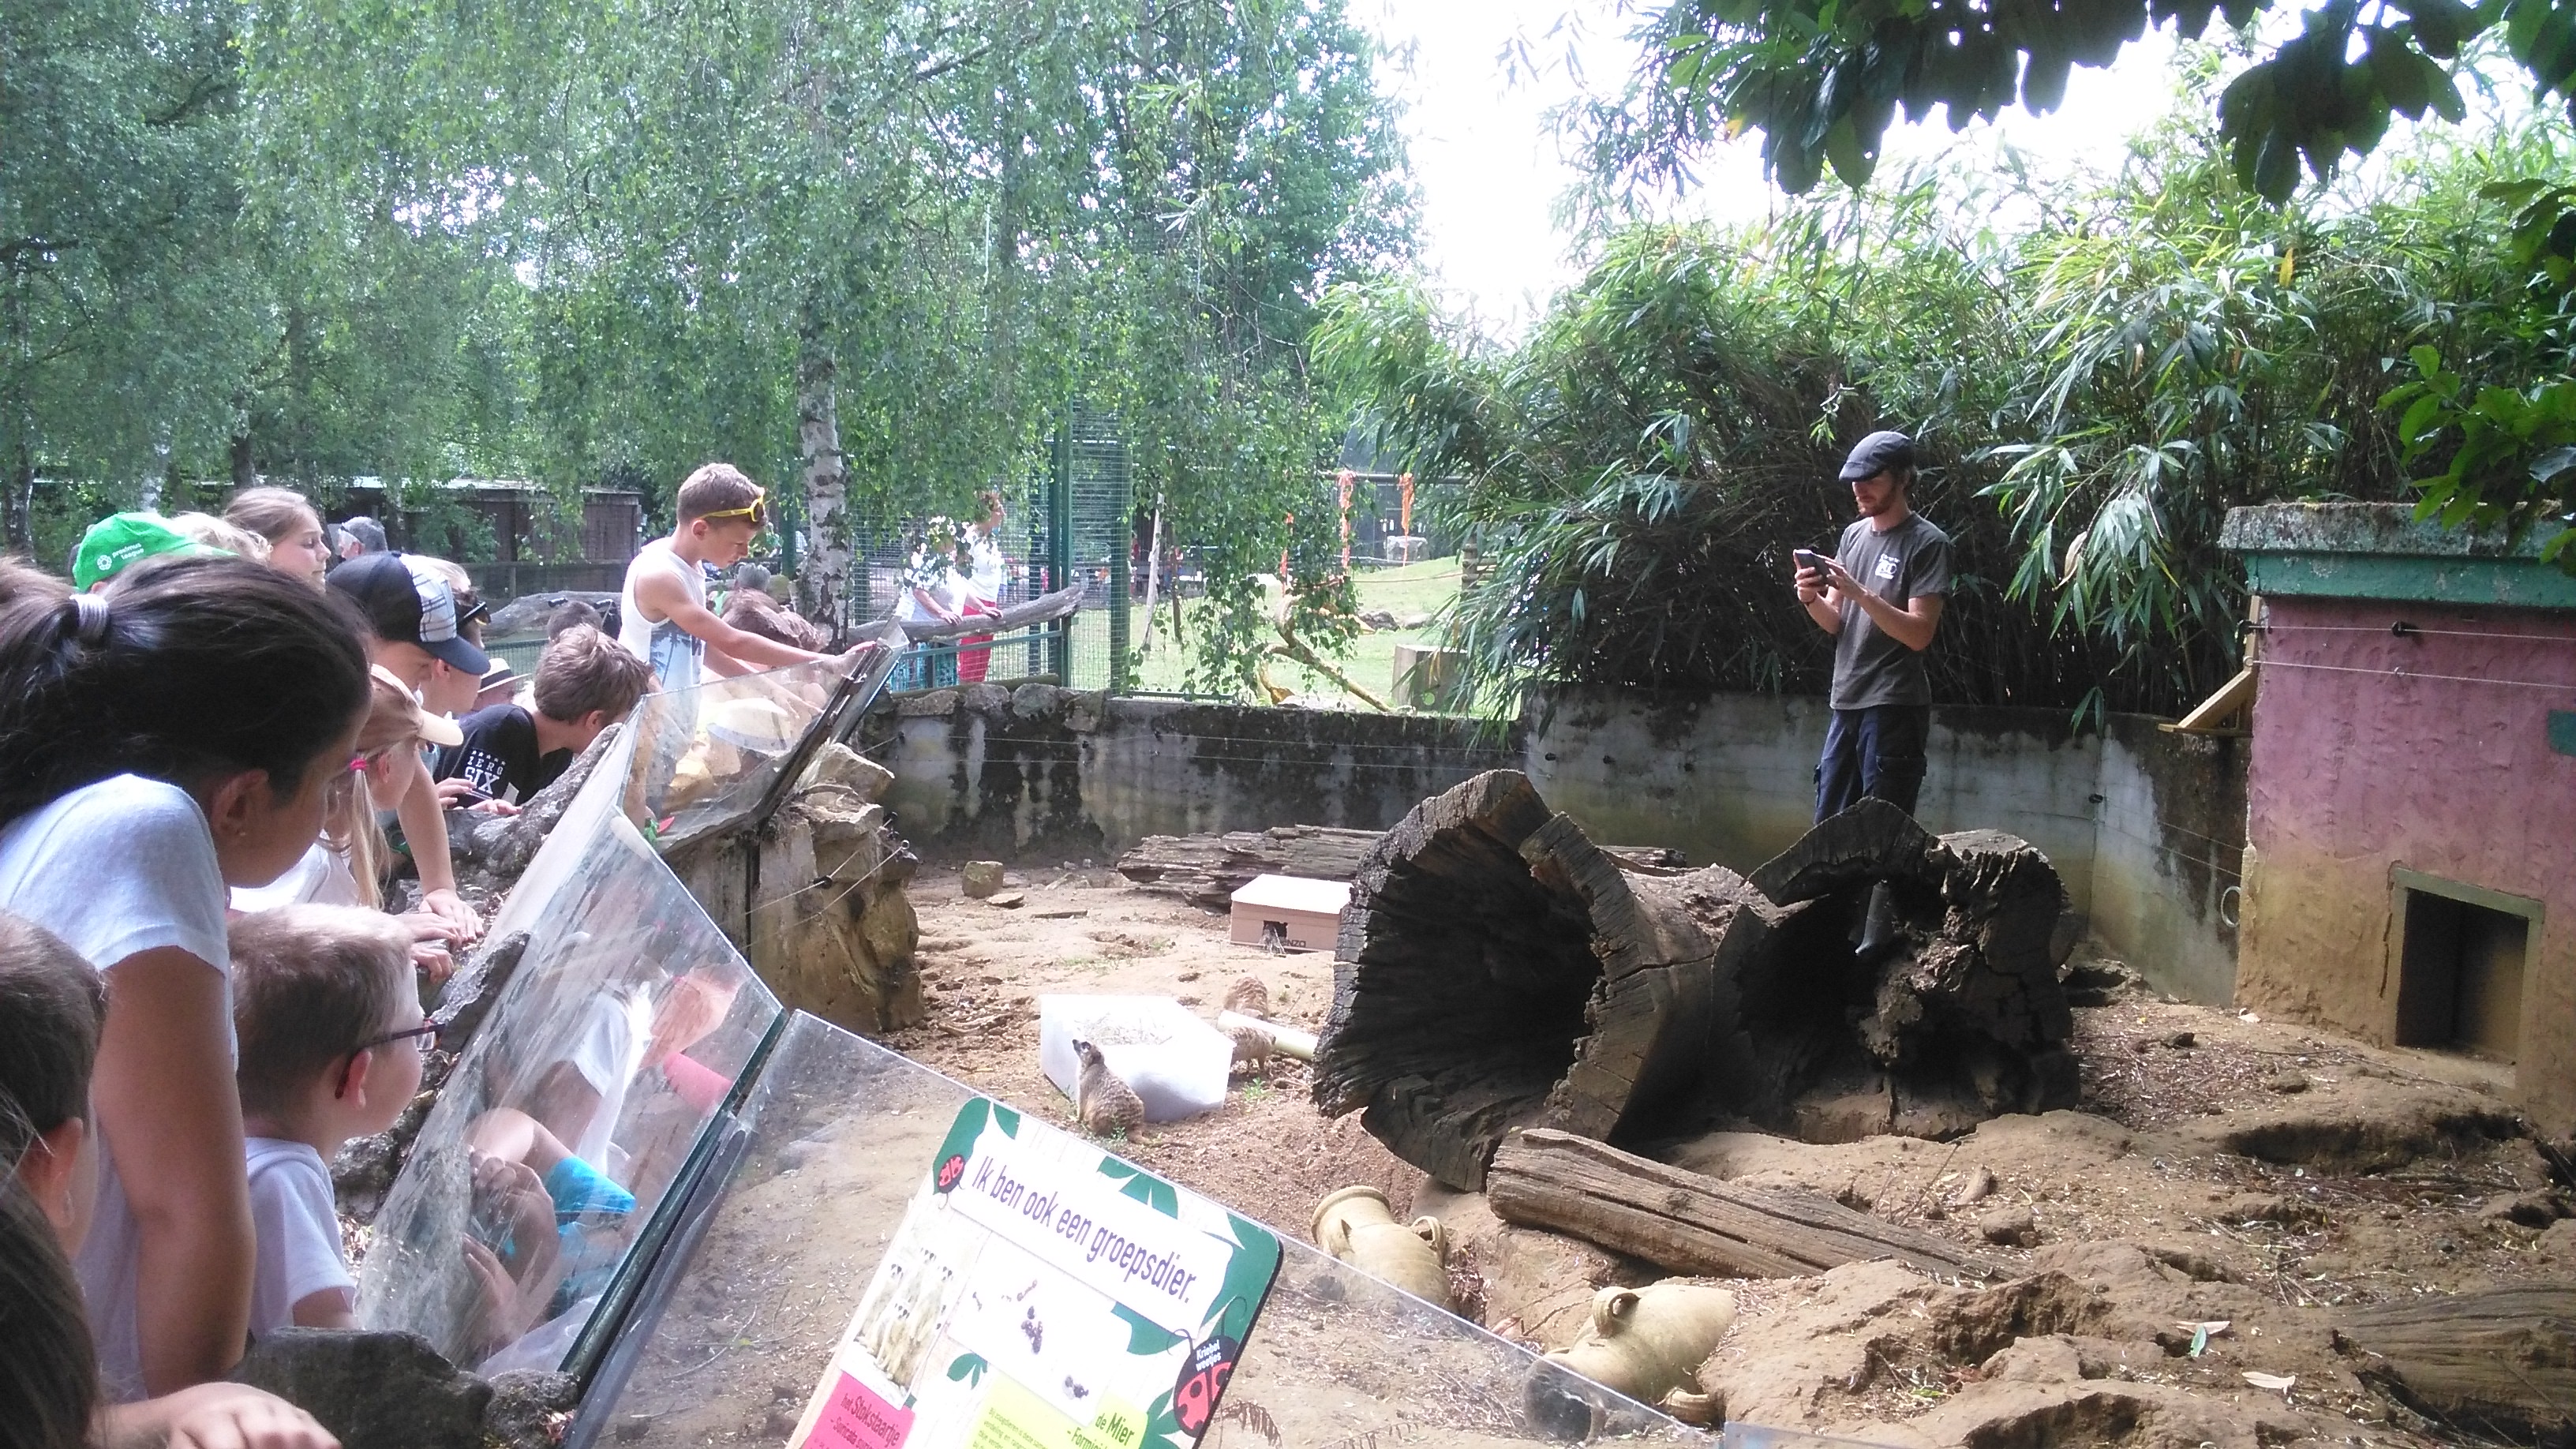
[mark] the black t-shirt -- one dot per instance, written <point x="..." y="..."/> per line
<point x="499" y="756"/>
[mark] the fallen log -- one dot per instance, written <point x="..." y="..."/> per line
<point x="1497" y="970"/>
<point x="1043" y="609"/>
<point x="2501" y="1361"/>
<point x="1206" y="870"/>
<point x="1683" y="1222"/>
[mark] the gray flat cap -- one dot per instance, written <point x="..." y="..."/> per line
<point x="1878" y="453"/>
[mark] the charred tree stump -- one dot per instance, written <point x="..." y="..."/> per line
<point x="1683" y="1222"/>
<point x="1498" y="970"/>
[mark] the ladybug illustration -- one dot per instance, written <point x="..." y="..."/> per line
<point x="1203" y="1376"/>
<point x="951" y="1168"/>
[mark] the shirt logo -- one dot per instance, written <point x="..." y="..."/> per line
<point x="1887" y="566"/>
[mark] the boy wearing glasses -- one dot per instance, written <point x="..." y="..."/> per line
<point x="330" y="1033"/>
<point x="665" y="620"/>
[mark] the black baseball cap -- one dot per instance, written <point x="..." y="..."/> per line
<point x="1878" y="453"/>
<point x="408" y="605"/>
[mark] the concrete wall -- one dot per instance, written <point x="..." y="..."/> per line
<point x="2358" y="774"/>
<point x="1047" y="772"/>
<point x="2142" y="826"/>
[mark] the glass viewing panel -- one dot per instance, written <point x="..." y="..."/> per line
<point x="572" y="1110"/>
<point x="706" y="757"/>
<point x="740" y="1323"/>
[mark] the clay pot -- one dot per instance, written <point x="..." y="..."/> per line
<point x="1647" y="1342"/>
<point x="1357" y="1226"/>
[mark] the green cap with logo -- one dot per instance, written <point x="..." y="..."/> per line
<point x="120" y="540"/>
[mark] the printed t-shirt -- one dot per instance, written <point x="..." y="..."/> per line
<point x="499" y="757"/>
<point x="1907" y="562"/>
<point x="117" y="868"/>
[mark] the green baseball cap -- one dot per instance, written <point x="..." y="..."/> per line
<point x="122" y="539"/>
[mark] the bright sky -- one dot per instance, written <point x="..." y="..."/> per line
<point x="1490" y="171"/>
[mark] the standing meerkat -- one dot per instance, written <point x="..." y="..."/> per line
<point x="1248" y="997"/>
<point x="1101" y="1102"/>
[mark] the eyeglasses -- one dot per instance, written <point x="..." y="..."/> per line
<point x="425" y="1033"/>
<point x="756" y="510"/>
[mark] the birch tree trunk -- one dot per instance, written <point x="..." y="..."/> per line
<point x="823" y="579"/>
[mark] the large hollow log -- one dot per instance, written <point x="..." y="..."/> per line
<point x="1683" y="1222"/>
<point x="1498" y="970"/>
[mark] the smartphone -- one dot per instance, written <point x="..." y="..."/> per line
<point x="1808" y="558"/>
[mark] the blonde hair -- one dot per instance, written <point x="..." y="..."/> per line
<point x="349" y="803"/>
<point x="213" y="532"/>
<point x="311" y="984"/>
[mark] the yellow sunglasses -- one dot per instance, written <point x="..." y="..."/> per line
<point x="756" y="510"/>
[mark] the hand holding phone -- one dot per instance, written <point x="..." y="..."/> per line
<point x="1808" y="558"/>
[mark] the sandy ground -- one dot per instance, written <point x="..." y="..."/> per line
<point x="2223" y="1168"/>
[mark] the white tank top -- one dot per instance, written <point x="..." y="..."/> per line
<point x="673" y="652"/>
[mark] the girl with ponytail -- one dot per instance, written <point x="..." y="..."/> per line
<point x="160" y="740"/>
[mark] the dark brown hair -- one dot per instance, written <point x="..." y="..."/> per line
<point x="185" y="668"/>
<point x="713" y="489"/>
<point x="583" y="670"/>
<point x="48" y="1368"/>
<point x="310" y="985"/>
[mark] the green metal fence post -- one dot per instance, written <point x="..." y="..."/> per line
<point x="1122" y="537"/>
<point x="1060" y="541"/>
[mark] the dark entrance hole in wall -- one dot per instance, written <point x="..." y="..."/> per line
<point x="2460" y="967"/>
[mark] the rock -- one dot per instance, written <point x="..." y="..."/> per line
<point x="1011" y="902"/>
<point x="981" y="880"/>
<point x="2012" y="1226"/>
<point x="529" y="1409"/>
<point x="839" y="766"/>
<point x="2182" y="1041"/>
<point x="1035" y="700"/>
<point x="2287" y="1083"/>
<point x="2049" y="1360"/>
<point x="1378" y="621"/>
<point x="986" y="699"/>
<point x="371" y="1390"/>
<point x="934" y="704"/>
<point x="1083" y="712"/>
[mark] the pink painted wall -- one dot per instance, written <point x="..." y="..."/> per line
<point x="2353" y="774"/>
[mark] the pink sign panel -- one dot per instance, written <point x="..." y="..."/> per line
<point x="856" y="1418"/>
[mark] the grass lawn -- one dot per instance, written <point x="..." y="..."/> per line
<point x="1409" y="592"/>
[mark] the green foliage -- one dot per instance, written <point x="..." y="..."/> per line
<point x="1822" y="79"/>
<point x="2093" y="390"/>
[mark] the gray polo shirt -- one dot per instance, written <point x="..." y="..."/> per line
<point x="1903" y="564"/>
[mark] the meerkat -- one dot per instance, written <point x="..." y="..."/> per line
<point x="1101" y="1102"/>
<point x="1248" y="997"/>
<point x="1252" y="1047"/>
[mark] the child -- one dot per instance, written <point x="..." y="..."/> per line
<point x="331" y="1042"/>
<point x="663" y="611"/>
<point x="585" y="683"/>
<point x="158" y="742"/>
<point x="52" y="1008"/>
<point x="298" y="545"/>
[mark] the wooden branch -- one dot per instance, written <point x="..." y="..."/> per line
<point x="2502" y="1360"/>
<point x="1683" y="1222"/>
<point x="1040" y="610"/>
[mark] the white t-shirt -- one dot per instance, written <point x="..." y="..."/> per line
<point x="322" y="877"/>
<point x="674" y="652"/>
<point x="117" y="868"/>
<point x="298" y="1225"/>
<point x="616" y="1026"/>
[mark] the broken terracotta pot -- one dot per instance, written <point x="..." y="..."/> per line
<point x="1357" y="1226"/>
<point x="1642" y="1343"/>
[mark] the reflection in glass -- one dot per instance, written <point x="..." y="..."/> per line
<point x="572" y="1110"/>
<point x="706" y="757"/>
<point x="841" y="1132"/>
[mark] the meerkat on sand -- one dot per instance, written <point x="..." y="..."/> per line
<point x="1248" y="997"/>
<point x="1252" y="1047"/>
<point x="1101" y="1102"/>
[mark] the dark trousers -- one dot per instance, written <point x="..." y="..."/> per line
<point x="1875" y="752"/>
